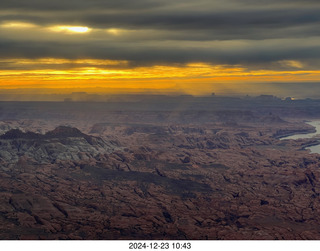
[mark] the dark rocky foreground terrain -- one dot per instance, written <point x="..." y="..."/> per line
<point x="166" y="174"/>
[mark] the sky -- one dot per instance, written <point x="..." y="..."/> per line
<point x="160" y="46"/>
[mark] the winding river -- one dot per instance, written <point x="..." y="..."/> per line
<point x="313" y="149"/>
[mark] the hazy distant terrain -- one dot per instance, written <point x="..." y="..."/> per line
<point x="159" y="167"/>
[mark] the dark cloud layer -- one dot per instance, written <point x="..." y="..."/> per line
<point x="240" y="32"/>
<point x="71" y="5"/>
<point x="141" y="54"/>
<point x="148" y="4"/>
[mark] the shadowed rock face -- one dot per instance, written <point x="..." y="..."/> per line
<point x="62" y="143"/>
<point x="18" y="134"/>
<point x="65" y="131"/>
<point x="59" y="132"/>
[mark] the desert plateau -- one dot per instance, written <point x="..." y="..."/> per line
<point x="185" y="168"/>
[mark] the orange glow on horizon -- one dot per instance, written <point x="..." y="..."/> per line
<point x="101" y="75"/>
